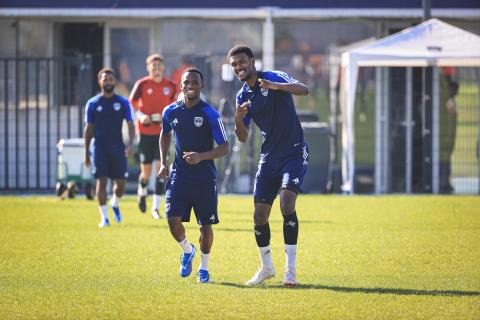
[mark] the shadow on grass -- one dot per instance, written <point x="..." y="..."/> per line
<point x="250" y="221"/>
<point x="315" y="222"/>
<point x="395" y="291"/>
<point x="145" y="226"/>
<point x="233" y="229"/>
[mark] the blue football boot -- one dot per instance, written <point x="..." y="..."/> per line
<point x="186" y="262"/>
<point x="203" y="276"/>
<point x="117" y="215"/>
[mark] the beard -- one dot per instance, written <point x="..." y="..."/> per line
<point x="108" y="88"/>
<point x="191" y="97"/>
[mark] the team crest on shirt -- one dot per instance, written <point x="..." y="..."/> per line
<point x="198" y="121"/>
<point x="166" y="91"/>
<point x="99" y="109"/>
<point x="149" y="91"/>
<point x="117" y="106"/>
<point x="264" y="91"/>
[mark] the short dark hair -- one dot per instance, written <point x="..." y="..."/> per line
<point x="240" y="49"/>
<point x="105" y="70"/>
<point x="194" y="70"/>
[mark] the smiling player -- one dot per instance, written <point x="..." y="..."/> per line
<point x="266" y="97"/>
<point x="149" y="97"/>
<point x="192" y="182"/>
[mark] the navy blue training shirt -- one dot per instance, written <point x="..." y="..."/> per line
<point x="107" y="114"/>
<point x="274" y="113"/>
<point x="194" y="130"/>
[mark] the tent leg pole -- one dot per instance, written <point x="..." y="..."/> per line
<point x="386" y="132"/>
<point x="408" y="132"/>
<point x="378" y="130"/>
<point x="478" y="131"/>
<point x="436" y="132"/>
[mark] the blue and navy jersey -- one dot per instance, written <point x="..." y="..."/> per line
<point x="194" y="129"/>
<point x="273" y="111"/>
<point x="107" y="114"/>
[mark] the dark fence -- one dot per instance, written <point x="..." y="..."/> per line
<point x="41" y="101"/>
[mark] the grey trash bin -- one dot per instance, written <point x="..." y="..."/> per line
<point x="317" y="136"/>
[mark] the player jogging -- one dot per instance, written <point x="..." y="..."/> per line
<point x="149" y="97"/>
<point x="104" y="116"/>
<point x="266" y="97"/>
<point x="192" y="182"/>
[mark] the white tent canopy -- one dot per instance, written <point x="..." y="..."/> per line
<point x="431" y="43"/>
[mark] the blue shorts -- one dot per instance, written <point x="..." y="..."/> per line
<point x="181" y="197"/>
<point x="283" y="174"/>
<point x="110" y="163"/>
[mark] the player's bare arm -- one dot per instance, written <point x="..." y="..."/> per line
<point x="297" y="88"/>
<point x="193" y="157"/>
<point x="164" y="141"/>
<point x="88" y="134"/>
<point x="134" y="100"/>
<point x="131" y="138"/>
<point x="241" y="130"/>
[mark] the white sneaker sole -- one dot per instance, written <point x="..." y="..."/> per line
<point x="156" y="216"/>
<point x="251" y="282"/>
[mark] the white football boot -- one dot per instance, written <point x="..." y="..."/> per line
<point x="156" y="215"/>
<point x="104" y="223"/>
<point x="262" y="274"/>
<point x="290" y="278"/>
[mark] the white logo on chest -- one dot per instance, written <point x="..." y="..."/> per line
<point x="116" y="106"/>
<point x="166" y="91"/>
<point x="99" y="109"/>
<point x="174" y="122"/>
<point x="264" y="91"/>
<point x="149" y="91"/>
<point x="198" y="121"/>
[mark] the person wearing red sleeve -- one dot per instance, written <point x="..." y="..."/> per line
<point x="149" y="97"/>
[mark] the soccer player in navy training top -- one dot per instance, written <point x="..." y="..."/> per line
<point x="104" y="116"/>
<point x="192" y="182"/>
<point x="266" y="98"/>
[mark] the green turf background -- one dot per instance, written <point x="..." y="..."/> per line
<point x="390" y="257"/>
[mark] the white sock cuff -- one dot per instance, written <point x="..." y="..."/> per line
<point x="142" y="191"/>
<point x="115" y="201"/>
<point x="156" y="198"/>
<point x="263" y="249"/>
<point x="186" y="245"/>
<point x="103" y="212"/>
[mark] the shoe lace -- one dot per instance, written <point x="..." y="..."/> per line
<point x="203" y="274"/>
<point x="290" y="275"/>
<point x="184" y="257"/>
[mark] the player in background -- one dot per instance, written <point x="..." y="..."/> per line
<point x="104" y="116"/>
<point x="266" y="97"/>
<point x="149" y="97"/>
<point x="192" y="182"/>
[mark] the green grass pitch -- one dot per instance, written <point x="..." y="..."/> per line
<point x="389" y="257"/>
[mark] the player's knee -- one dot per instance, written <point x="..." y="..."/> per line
<point x="174" y="224"/>
<point x="260" y="218"/>
<point x="206" y="234"/>
<point x="287" y="206"/>
<point x="101" y="184"/>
